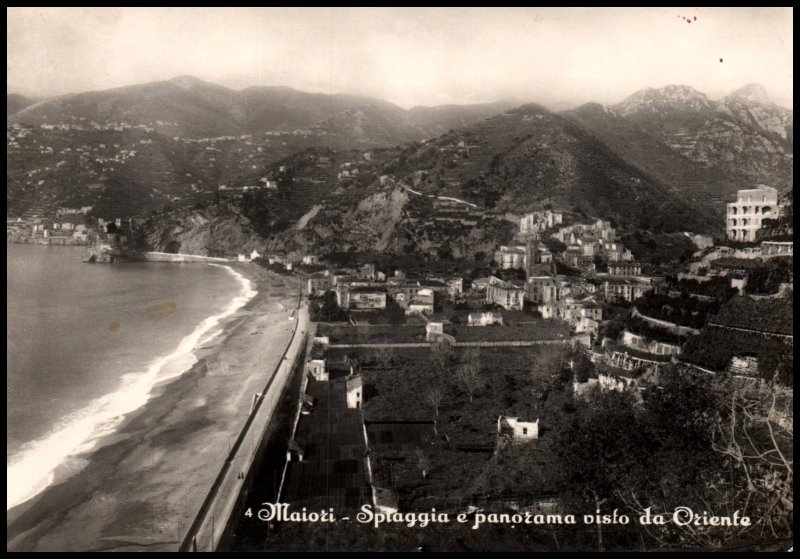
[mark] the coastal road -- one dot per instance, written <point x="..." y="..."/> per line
<point x="205" y="533"/>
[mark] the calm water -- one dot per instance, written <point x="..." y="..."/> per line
<point x="87" y="343"/>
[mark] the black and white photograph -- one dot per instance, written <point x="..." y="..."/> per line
<point x="399" y="279"/>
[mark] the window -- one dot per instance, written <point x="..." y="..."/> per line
<point x="524" y="430"/>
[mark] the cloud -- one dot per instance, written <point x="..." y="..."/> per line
<point x="558" y="56"/>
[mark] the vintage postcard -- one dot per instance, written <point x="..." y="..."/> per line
<point x="399" y="279"/>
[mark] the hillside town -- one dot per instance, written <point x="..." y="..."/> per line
<point x="410" y="364"/>
<point x="494" y="279"/>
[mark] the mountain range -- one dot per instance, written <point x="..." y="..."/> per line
<point x="663" y="159"/>
<point x="192" y="108"/>
<point x="714" y="147"/>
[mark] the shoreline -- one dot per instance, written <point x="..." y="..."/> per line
<point x="141" y="486"/>
<point x="98" y="420"/>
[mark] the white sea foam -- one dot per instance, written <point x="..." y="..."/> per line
<point x="38" y="463"/>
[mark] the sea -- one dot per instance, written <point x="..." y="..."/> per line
<point x="87" y="344"/>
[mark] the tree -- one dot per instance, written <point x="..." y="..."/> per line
<point x="328" y="310"/>
<point x="756" y="438"/>
<point x="384" y="357"/>
<point x="550" y="371"/>
<point x="434" y="397"/>
<point x="582" y="366"/>
<point x="441" y="354"/>
<point x="353" y="361"/>
<point x="468" y="376"/>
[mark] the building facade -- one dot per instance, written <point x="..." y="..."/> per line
<point x="508" y="258"/>
<point x="747" y="214"/>
<point x="505" y="294"/>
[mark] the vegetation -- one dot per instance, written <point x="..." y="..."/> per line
<point x="689" y="443"/>
<point x="714" y="348"/>
<point x="325" y="309"/>
<point x="766" y="315"/>
<point x="718" y="287"/>
<point x="768" y="279"/>
<point x="682" y="310"/>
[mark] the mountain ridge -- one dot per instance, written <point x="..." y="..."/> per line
<point x="195" y="108"/>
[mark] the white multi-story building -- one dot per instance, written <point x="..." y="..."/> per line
<point x="510" y="257"/>
<point x="536" y="222"/>
<point x="751" y="208"/>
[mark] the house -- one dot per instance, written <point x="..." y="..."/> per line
<point x="434" y="331"/>
<point x="746" y="215"/>
<point x="316" y="368"/>
<point x="241" y="257"/>
<point x="537" y="222"/>
<point x="574" y="256"/>
<point x="589" y="246"/>
<point x="586" y="324"/>
<point x="626" y="289"/>
<point x="403" y="293"/>
<point x="568" y="309"/>
<point x="484" y="318"/>
<point x="456" y="287"/>
<point x="254" y="254"/>
<point x="624" y="269"/>
<point x="542" y="289"/>
<point x="505" y="294"/>
<point x="360" y="298"/>
<point x="517" y="431"/>
<point x="421" y="302"/>
<point x="368" y="272"/>
<point x="319" y="282"/>
<point x="508" y="258"/>
<point x="613" y="252"/>
<point x="354" y="389"/>
<point x="310" y="259"/>
<point x="572" y="310"/>
<point x="592" y="310"/>
<point x="548" y="310"/>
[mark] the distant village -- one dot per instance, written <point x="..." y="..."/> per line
<point x="69" y="226"/>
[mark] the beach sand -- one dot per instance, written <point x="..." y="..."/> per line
<point x="141" y="490"/>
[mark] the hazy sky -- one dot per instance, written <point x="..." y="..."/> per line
<point x="559" y="57"/>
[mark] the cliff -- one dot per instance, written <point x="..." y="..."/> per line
<point x="213" y="231"/>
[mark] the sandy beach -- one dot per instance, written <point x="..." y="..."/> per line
<point x="141" y="490"/>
